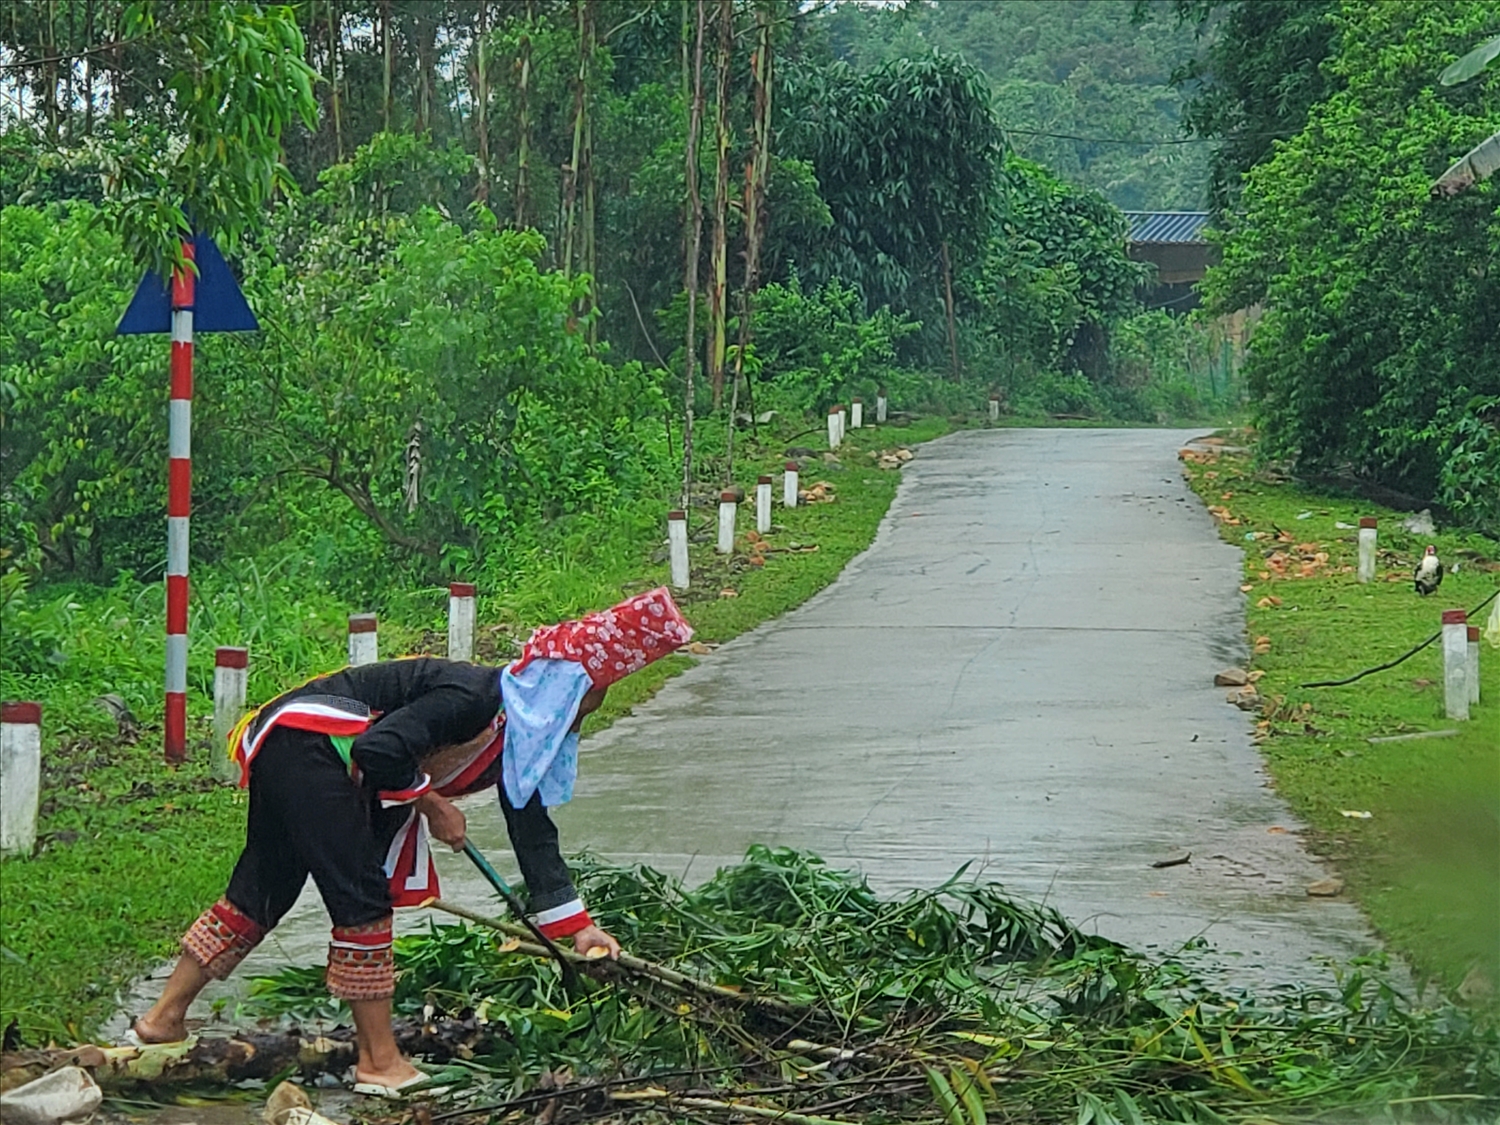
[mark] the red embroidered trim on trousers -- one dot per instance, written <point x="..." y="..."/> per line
<point x="221" y="938"/>
<point x="360" y="963"/>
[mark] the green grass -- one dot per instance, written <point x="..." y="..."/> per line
<point x="131" y="851"/>
<point x="1425" y="866"/>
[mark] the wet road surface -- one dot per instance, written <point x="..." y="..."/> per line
<point x="1018" y="673"/>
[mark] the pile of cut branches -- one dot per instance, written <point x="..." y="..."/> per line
<point x="784" y="990"/>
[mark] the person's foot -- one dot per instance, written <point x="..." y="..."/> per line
<point x="390" y="1078"/>
<point x="151" y="1031"/>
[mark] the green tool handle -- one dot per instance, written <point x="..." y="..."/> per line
<point x="514" y="902"/>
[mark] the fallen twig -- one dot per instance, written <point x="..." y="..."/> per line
<point x="736" y="1106"/>
<point x="627" y="961"/>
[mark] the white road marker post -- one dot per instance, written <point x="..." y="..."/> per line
<point x="461" y="615"/>
<point x="994" y="408"/>
<point x="763" y="505"/>
<point x="677" y="547"/>
<point x="843" y="422"/>
<point x="1473" y="664"/>
<point x="789" y="485"/>
<point x="727" y="505"/>
<point x="833" y="427"/>
<point x="20" y="776"/>
<point x="856" y="414"/>
<point x="231" y="672"/>
<point x="1456" y="664"/>
<point x="1366" y="549"/>
<point x="364" y="645"/>
<point x="881" y="405"/>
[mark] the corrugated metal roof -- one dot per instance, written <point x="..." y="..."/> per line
<point x="1167" y="226"/>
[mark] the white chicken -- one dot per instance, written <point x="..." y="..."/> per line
<point x="1429" y="573"/>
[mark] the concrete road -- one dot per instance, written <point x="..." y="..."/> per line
<point x="1018" y="672"/>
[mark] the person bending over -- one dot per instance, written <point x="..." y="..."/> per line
<point x="349" y="773"/>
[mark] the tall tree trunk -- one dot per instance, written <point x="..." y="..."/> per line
<point x="335" y="33"/>
<point x="88" y="70"/>
<point x="68" y="73"/>
<point x="49" y="48"/>
<point x="719" y="250"/>
<point x="117" y="72"/>
<point x="590" y="261"/>
<point x="756" y="172"/>
<point x="385" y="48"/>
<point x="571" y="174"/>
<point x="948" y="301"/>
<point x="523" y="99"/>
<point x="426" y="26"/>
<point x="482" y="105"/>
<point x="693" y="241"/>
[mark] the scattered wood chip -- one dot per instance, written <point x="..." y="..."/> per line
<point x="1326" y="888"/>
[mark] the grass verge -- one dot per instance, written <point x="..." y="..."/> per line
<point x="1423" y="854"/>
<point x="131" y="851"/>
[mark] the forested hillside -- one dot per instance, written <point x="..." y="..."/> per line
<point x="1072" y="79"/>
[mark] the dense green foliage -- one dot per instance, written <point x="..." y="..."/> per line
<point x="1079" y="85"/>
<point x="905" y="155"/>
<point x="1254" y="80"/>
<point x="1379" y="353"/>
<point x="952" y="1004"/>
<point x="431" y="390"/>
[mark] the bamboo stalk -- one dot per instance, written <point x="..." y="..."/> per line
<point x="627" y="961"/>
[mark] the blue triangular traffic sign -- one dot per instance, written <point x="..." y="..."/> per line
<point x="219" y="304"/>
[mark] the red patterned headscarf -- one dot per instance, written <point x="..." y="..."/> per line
<point x="615" y="642"/>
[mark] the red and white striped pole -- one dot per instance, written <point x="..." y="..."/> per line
<point x="179" y="505"/>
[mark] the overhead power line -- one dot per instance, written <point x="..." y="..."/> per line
<point x="1142" y="144"/>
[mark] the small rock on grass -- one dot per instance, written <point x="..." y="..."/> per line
<point x="1326" y="888"/>
<point x="1246" y="698"/>
<point x="1232" y="677"/>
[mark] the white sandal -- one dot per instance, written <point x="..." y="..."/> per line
<point x="411" y="1087"/>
